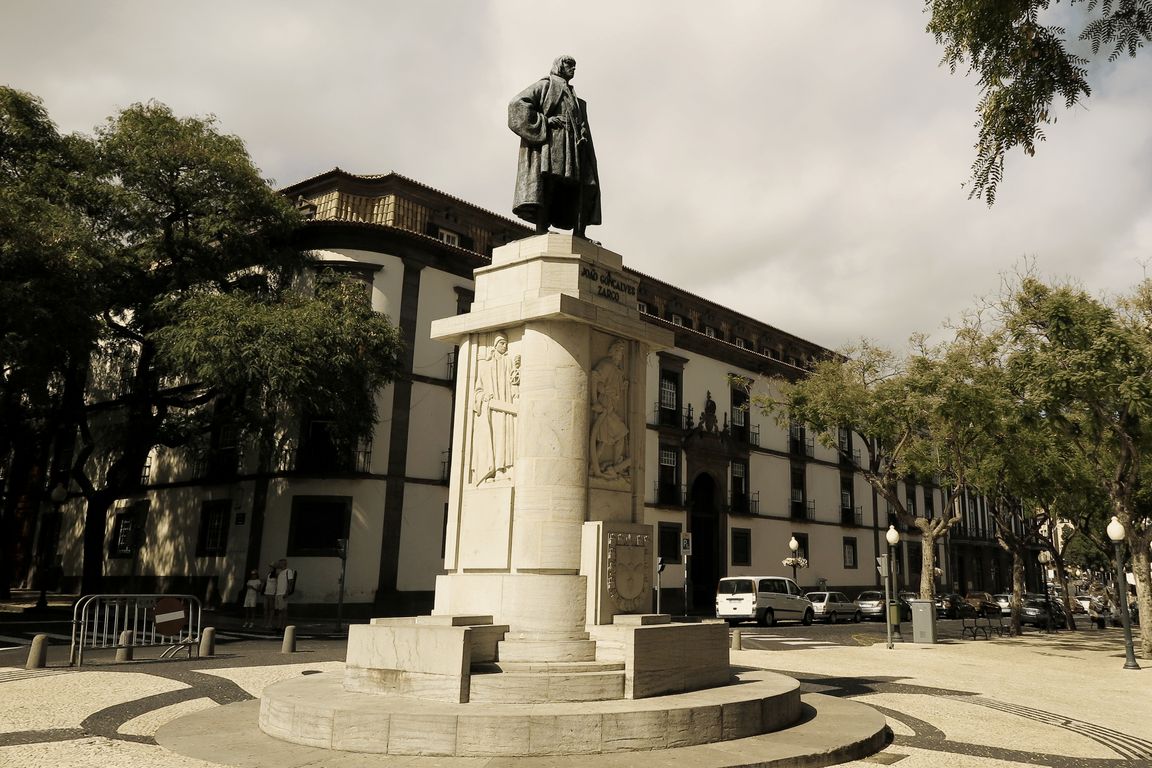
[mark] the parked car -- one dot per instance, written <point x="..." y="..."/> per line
<point x="983" y="603"/>
<point x="1004" y="600"/>
<point x="833" y="607"/>
<point x="1035" y="612"/>
<point x="1054" y="602"/>
<point x="948" y="606"/>
<point x="767" y="599"/>
<point x="871" y="605"/>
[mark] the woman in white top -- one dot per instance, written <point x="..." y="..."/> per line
<point x="252" y="590"/>
<point x="269" y="596"/>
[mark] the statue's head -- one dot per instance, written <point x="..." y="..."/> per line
<point x="564" y="67"/>
<point x="617" y="350"/>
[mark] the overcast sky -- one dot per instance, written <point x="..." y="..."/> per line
<point x="801" y="162"/>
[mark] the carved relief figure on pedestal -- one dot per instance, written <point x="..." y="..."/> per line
<point x="608" y="443"/>
<point x="494" y="410"/>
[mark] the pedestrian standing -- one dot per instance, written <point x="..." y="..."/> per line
<point x="285" y="586"/>
<point x="252" y="589"/>
<point x="270" y="596"/>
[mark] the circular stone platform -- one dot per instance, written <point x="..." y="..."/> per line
<point x="317" y="711"/>
<point x="830" y="731"/>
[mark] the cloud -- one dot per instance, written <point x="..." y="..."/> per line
<point x="800" y="163"/>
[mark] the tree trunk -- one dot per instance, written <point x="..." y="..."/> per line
<point x="927" y="565"/>
<point x="96" y="508"/>
<point x="1018" y="588"/>
<point x="265" y="456"/>
<point x="1062" y="577"/>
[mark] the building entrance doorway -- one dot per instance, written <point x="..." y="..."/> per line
<point x="703" y="524"/>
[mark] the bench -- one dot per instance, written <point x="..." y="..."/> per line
<point x="971" y="622"/>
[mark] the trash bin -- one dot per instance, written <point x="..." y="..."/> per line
<point x="923" y="621"/>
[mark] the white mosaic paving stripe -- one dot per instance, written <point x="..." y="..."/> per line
<point x="147" y="723"/>
<point x="254" y="679"/>
<point x="8" y="674"/>
<point x="64" y="701"/>
<point x="95" y="753"/>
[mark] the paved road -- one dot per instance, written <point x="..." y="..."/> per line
<point x="1060" y="700"/>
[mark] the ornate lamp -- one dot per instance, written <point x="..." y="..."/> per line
<point x="1116" y="533"/>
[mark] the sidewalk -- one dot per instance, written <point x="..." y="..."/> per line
<point x="1054" y="700"/>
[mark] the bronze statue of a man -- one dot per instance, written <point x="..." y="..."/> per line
<point x="556" y="180"/>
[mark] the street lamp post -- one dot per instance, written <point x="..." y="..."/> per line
<point x="893" y="538"/>
<point x="342" y="553"/>
<point x="1116" y="533"/>
<point x="794" y="546"/>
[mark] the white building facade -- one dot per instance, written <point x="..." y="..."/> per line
<point x="739" y="483"/>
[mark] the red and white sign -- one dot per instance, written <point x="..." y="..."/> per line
<point x="171" y="615"/>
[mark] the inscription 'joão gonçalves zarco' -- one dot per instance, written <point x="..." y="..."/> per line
<point x="609" y="285"/>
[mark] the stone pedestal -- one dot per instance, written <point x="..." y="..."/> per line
<point x="548" y="435"/>
<point x="540" y="642"/>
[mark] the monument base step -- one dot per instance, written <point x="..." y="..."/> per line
<point x="546" y="650"/>
<point x="546" y="667"/>
<point x="538" y="687"/>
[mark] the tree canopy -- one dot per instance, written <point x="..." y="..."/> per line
<point x="1038" y="405"/>
<point x="1025" y="64"/>
<point x="156" y="253"/>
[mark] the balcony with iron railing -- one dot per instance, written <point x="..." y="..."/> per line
<point x="744" y="503"/>
<point x="217" y="464"/>
<point x="849" y="457"/>
<point x="851" y="515"/>
<point x="803" y="509"/>
<point x="325" y="458"/>
<point x="746" y="432"/>
<point x="669" y="494"/>
<point x="670" y="417"/>
<point x="800" y="443"/>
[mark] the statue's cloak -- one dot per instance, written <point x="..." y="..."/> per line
<point x="554" y="162"/>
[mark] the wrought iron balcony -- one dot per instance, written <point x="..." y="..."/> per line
<point x="851" y="515"/>
<point x="804" y="509"/>
<point x="744" y="503"/>
<point x="669" y="494"/>
<point x="669" y="417"/>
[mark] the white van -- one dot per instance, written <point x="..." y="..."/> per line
<point x="767" y="599"/>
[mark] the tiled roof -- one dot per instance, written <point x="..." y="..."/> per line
<point x="381" y="177"/>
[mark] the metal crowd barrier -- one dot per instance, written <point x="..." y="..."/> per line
<point x="99" y="620"/>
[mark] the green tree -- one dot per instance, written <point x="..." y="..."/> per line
<point x="209" y="309"/>
<point x="47" y="303"/>
<point x="1089" y="553"/>
<point x="278" y="357"/>
<point x="1084" y="369"/>
<point x="1024" y="64"/>
<point x="879" y="395"/>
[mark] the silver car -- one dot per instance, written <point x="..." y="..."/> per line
<point x="833" y="607"/>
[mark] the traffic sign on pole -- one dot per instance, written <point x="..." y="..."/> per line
<point x="882" y="566"/>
